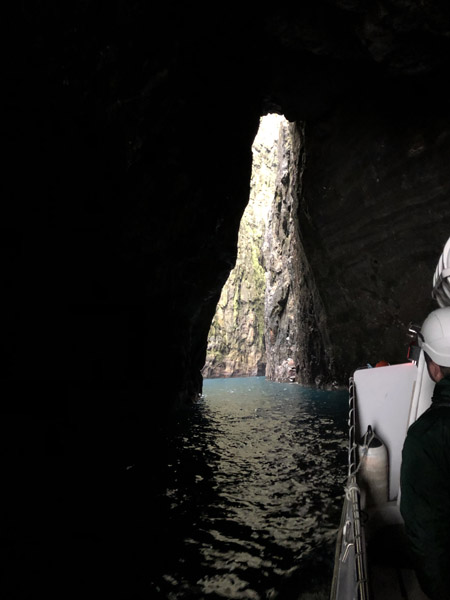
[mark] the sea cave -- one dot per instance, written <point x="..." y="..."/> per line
<point x="128" y="155"/>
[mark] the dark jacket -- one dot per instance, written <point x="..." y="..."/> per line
<point x="425" y="493"/>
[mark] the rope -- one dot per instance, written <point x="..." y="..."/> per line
<point x="364" y="450"/>
<point x="352" y="487"/>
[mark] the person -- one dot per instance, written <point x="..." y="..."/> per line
<point x="382" y="363"/>
<point x="425" y="469"/>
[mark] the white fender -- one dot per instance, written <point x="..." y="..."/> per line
<point x="373" y="475"/>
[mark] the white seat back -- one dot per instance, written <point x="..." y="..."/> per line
<point x="383" y="400"/>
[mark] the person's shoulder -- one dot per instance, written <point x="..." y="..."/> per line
<point x="434" y="417"/>
<point x="423" y="423"/>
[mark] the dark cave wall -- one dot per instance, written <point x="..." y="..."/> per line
<point x="374" y="217"/>
<point x="128" y="172"/>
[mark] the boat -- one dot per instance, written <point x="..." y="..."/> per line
<point x="371" y="559"/>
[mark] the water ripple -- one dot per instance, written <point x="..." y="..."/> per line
<point x="255" y="489"/>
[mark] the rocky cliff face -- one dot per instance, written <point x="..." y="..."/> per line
<point x="282" y="254"/>
<point x="236" y="340"/>
<point x="298" y="347"/>
<point x="270" y="310"/>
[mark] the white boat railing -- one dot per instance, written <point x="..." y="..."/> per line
<point x="353" y="495"/>
<point x="350" y="571"/>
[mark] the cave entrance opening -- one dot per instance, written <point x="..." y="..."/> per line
<point x="237" y="338"/>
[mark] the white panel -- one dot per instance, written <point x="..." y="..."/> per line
<point x="383" y="400"/>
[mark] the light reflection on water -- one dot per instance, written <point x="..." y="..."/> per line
<point x="255" y="489"/>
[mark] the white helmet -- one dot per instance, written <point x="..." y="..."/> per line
<point x="435" y="336"/>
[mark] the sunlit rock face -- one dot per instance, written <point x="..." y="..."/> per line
<point x="236" y="339"/>
<point x="282" y="256"/>
<point x="297" y="344"/>
<point x="270" y="310"/>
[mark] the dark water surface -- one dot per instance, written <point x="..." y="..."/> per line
<point x="253" y="493"/>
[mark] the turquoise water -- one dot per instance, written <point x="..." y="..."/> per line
<point x="254" y="492"/>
